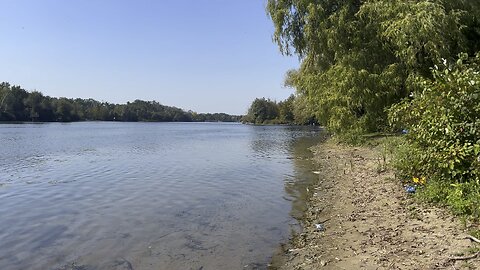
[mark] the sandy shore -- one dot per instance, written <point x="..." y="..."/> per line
<point x="367" y="221"/>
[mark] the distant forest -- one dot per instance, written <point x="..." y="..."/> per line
<point x="17" y="104"/>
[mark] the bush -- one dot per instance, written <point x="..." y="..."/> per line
<point x="443" y="142"/>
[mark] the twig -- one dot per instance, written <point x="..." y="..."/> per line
<point x="473" y="238"/>
<point x="463" y="258"/>
<point x="325" y="220"/>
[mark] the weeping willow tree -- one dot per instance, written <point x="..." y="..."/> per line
<point x="359" y="57"/>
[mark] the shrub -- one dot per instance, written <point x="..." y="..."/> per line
<point x="443" y="142"/>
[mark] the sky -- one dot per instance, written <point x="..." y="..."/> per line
<point x="200" y="55"/>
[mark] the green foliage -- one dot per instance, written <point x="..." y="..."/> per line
<point x="289" y="111"/>
<point x="359" y="57"/>
<point x="16" y="104"/>
<point x="462" y="199"/>
<point x="420" y="33"/>
<point x="303" y="113"/>
<point x="443" y="141"/>
<point x="286" y="110"/>
<point x="262" y="111"/>
<point x="365" y="61"/>
<point x="443" y="121"/>
<point x="408" y="160"/>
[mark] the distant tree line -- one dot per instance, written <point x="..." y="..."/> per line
<point x="292" y="111"/>
<point x="17" y="104"/>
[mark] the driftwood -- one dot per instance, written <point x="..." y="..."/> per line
<point x="463" y="258"/>
<point x="473" y="238"/>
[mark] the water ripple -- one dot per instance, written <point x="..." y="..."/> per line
<point x="168" y="196"/>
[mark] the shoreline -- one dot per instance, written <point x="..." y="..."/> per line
<point x="360" y="217"/>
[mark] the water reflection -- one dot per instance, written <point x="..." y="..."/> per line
<point x="299" y="186"/>
<point x="296" y="150"/>
<point x="148" y="195"/>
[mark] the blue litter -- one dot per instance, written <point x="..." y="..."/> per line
<point x="410" y="189"/>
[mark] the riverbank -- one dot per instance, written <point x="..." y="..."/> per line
<point x="360" y="217"/>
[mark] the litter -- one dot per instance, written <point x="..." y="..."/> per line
<point x="410" y="189"/>
<point x="320" y="227"/>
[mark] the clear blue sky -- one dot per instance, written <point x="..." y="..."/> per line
<point x="203" y="55"/>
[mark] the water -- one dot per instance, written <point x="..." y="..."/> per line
<point x="100" y="195"/>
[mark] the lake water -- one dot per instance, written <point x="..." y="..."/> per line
<point x="99" y="195"/>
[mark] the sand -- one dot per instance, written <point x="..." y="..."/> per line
<point x="370" y="222"/>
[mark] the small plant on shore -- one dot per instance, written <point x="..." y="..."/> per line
<point x="407" y="159"/>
